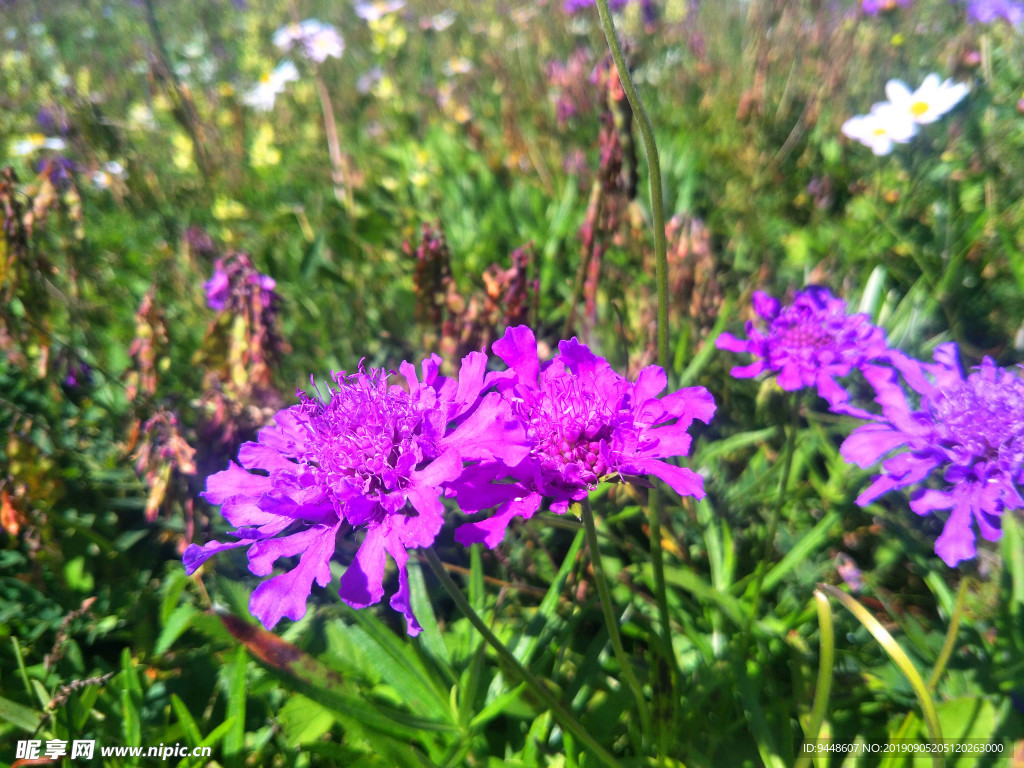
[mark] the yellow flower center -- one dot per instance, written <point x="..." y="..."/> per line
<point x="879" y="132"/>
<point x="918" y="108"/>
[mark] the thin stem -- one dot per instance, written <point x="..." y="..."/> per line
<point x="773" y="521"/>
<point x="944" y="654"/>
<point x="950" y="643"/>
<point x="654" y="174"/>
<point x="661" y="275"/>
<point x="900" y="658"/>
<point x="339" y="167"/>
<point x="610" y="620"/>
<point x="826" y="662"/>
<point x="561" y="714"/>
<point x="189" y="115"/>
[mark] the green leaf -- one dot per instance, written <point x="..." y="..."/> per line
<point x="131" y="700"/>
<point x="302" y="673"/>
<point x="430" y="639"/>
<point x="19" y="715"/>
<point x="303" y="720"/>
<point x="801" y="551"/>
<point x="173" y="627"/>
<point x="188" y="724"/>
<point x="234" y="676"/>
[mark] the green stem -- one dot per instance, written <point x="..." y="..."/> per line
<point x="661" y="274"/>
<point x="609" y="618"/>
<point x="900" y="658"/>
<point x="826" y="662"/>
<point x="944" y="654"/>
<point x="773" y="521"/>
<point x="654" y="173"/>
<point x="339" y="167"/>
<point x="950" y="643"/>
<point x="561" y="714"/>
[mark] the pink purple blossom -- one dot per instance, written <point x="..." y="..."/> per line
<point x="575" y="6"/>
<point x="368" y="458"/>
<point x="988" y="11"/>
<point x="318" y="41"/>
<point x="236" y="274"/>
<point x="584" y="424"/>
<point x="874" y="7"/>
<point x="808" y="343"/>
<point x="966" y="432"/>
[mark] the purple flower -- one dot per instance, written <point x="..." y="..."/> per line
<point x="575" y="6"/>
<point x="988" y="11"/>
<point x="584" y="423"/>
<point x="808" y="343"/>
<point x="874" y="7"/>
<point x="969" y="430"/>
<point x="217" y="288"/>
<point x="371" y="457"/>
<point x="237" y="269"/>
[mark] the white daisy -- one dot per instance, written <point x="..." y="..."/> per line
<point x="375" y="10"/>
<point x="881" y="129"/>
<point x="111" y="173"/>
<point x="271" y="83"/>
<point x="929" y="102"/>
<point x="34" y="142"/>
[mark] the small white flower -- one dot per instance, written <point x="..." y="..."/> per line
<point x="441" y="21"/>
<point x="327" y="42"/>
<point x="883" y="127"/>
<point x="318" y="40"/>
<point x="108" y="175"/>
<point x="270" y="85"/>
<point x="35" y="142"/>
<point x="929" y="102"/>
<point x="369" y="79"/>
<point x="285" y="37"/>
<point x="375" y="10"/>
<point x="457" y="65"/>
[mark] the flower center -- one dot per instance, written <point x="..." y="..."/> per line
<point x="567" y="426"/>
<point x="801" y="332"/>
<point x="367" y="434"/>
<point x="918" y="108"/>
<point x="981" y="416"/>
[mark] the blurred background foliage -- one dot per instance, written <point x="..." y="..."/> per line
<point x="491" y="177"/>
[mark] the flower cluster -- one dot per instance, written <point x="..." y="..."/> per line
<point x="897" y="120"/>
<point x="988" y="11"/>
<point x="584" y="423"/>
<point x="314" y="39"/>
<point x="373" y="459"/>
<point x="368" y="457"/>
<point x="810" y="342"/>
<point x="233" y="278"/>
<point x="967" y="430"/>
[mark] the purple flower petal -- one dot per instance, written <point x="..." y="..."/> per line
<point x="370" y="455"/>
<point x="286" y="595"/>
<point x="966" y="432"/>
<point x="810" y="342"/>
<point x="362" y="584"/>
